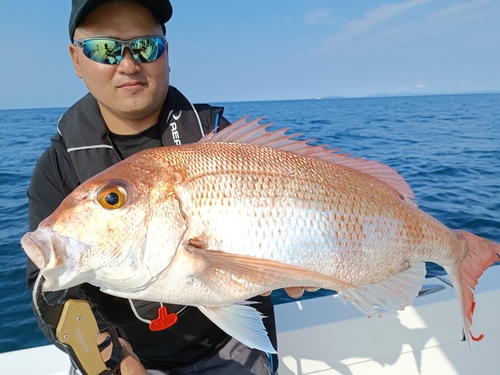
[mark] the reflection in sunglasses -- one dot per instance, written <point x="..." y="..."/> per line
<point x="110" y="51"/>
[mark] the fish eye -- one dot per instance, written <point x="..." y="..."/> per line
<point x="112" y="197"/>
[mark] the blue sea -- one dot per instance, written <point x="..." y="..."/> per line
<point x="447" y="147"/>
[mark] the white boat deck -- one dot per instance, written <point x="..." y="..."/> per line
<point x="43" y="360"/>
<point x="321" y="336"/>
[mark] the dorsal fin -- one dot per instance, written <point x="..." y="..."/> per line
<point x="257" y="134"/>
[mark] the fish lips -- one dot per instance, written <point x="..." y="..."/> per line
<point x="57" y="256"/>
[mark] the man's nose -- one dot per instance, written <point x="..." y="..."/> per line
<point x="128" y="65"/>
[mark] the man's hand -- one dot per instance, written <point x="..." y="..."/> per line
<point x="295" y="291"/>
<point x="130" y="363"/>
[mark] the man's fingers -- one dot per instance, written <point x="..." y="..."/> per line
<point x="311" y="289"/>
<point x="106" y="352"/>
<point x="130" y="364"/>
<point x="295" y="291"/>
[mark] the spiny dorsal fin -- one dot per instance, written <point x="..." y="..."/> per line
<point x="257" y="134"/>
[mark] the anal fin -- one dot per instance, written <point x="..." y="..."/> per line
<point x="391" y="294"/>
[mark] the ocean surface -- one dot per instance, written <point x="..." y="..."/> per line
<point x="447" y="148"/>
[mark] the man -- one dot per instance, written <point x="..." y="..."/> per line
<point x="120" y="51"/>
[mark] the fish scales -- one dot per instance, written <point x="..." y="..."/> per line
<point x="246" y="211"/>
<point x="295" y="210"/>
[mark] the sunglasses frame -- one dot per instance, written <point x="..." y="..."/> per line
<point x="124" y="44"/>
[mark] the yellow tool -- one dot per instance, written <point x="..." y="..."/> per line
<point x="76" y="329"/>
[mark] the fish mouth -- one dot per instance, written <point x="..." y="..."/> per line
<point x="33" y="245"/>
<point x="57" y="256"/>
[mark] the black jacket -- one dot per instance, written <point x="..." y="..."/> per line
<point x="82" y="148"/>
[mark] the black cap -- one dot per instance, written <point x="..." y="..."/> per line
<point x="161" y="9"/>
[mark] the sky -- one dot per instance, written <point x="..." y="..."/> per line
<point x="253" y="50"/>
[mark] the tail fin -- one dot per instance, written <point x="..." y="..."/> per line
<point x="480" y="254"/>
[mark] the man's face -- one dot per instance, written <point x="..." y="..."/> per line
<point x="129" y="90"/>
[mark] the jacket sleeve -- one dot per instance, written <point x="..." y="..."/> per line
<point x="48" y="188"/>
<point x="50" y="184"/>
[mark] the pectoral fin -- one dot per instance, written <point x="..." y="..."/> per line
<point x="242" y="322"/>
<point x="224" y="269"/>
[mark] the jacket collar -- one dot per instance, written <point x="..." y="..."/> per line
<point x="86" y="136"/>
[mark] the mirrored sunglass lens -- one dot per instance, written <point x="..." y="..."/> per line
<point x="147" y="49"/>
<point x="103" y="51"/>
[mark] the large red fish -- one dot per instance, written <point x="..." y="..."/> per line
<point x="246" y="211"/>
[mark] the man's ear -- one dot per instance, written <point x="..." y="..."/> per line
<point x="76" y="61"/>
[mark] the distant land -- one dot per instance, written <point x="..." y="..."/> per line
<point x="384" y="95"/>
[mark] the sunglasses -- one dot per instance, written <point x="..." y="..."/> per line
<point x="110" y="51"/>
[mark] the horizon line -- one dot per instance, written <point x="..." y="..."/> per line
<point x="330" y="97"/>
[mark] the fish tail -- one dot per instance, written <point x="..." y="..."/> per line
<point x="480" y="253"/>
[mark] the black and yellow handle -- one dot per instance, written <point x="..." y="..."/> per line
<point x="78" y="329"/>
